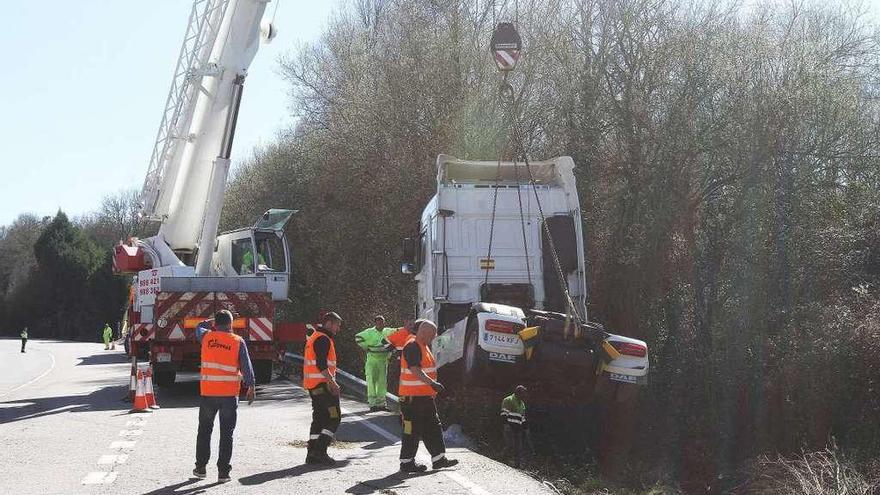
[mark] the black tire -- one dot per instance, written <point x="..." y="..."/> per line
<point x="474" y="360"/>
<point x="164" y="376"/>
<point x="263" y="371"/>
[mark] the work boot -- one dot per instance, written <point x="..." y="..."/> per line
<point x="444" y="463"/>
<point x="200" y="472"/>
<point x="312" y="456"/>
<point x="374" y="408"/>
<point x="412" y="467"/>
<point x="223" y="477"/>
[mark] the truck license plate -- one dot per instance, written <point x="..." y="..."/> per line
<point x="163" y="357"/>
<point x="500" y="338"/>
<point x="617" y="377"/>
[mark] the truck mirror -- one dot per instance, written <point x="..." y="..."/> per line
<point x="409" y="251"/>
<point x="407" y="268"/>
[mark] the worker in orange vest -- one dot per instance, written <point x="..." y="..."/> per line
<point x="319" y="378"/>
<point x="399" y="338"/>
<point x="225" y="361"/>
<point x="418" y="387"/>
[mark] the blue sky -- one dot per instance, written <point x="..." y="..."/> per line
<point x="83" y="85"/>
<point x="82" y="89"/>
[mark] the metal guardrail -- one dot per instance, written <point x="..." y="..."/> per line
<point x="348" y="376"/>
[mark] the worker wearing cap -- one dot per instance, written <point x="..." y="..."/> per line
<point x="225" y="363"/>
<point x="319" y="378"/>
<point x="418" y="387"/>
<point x="513" y="413"/>
<point x="373" y="342"/>
<point x="108" y="335"/>
<point x="24" y="338"/>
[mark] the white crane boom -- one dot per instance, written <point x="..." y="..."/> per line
<point x="190" y="162"/>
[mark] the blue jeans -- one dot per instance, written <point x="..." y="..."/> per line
<point x="228" y="409"/>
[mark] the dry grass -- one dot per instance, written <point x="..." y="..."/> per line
<point x="823" y="472"/>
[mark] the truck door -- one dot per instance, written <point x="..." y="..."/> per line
<point x="562" y="229"/>
<point x="272" y="257"/>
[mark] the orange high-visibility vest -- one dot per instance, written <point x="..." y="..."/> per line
<point x="312" y="376"/>
<point x="399" y="338"/>
<point x="410" y="384"/>
<point x="220" y="376"/>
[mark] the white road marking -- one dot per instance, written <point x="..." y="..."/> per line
<point x="99" y="478"/>
<point x="131" y="433"/>
<point x="472" y="487"/>
<point x="113" y="459"/>
<point x="121" y="445"/>
<point x="51" y="367"/>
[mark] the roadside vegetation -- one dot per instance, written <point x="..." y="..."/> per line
<point x="728" y="164"/>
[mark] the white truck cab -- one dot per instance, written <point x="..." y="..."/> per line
<point x="482" y="300"/>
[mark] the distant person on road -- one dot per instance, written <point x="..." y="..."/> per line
<point x="108" y="336"/>
<point x="23" y="338"/>
<point x="513" y="412"/>
<point x="225" y="362"/>
<point x="319" y="378"/>
<point x="374" y="342"/>
<point x="418" y="387"/>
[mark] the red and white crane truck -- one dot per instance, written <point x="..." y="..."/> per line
<point x="187" y="271"/>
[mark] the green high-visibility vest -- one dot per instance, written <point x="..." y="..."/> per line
<point x="373" y="340"/>
<point x="513" y="410"/>
<point x="24" y="333"/>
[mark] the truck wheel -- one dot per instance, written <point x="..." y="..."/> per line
<point x="263" y="371"/>
<point x="164" y="376"/>
<point x="475" y="361"/>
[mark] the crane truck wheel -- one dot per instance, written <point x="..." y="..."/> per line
<point x="475" y="361"/>
<point x="164" y="375"/>
<point x="263" y="371"/>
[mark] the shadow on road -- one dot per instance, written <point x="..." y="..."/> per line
<point x="183" y="488"/>
<point x="382" y="485"/>
<point x="106" y="398"/>
<point x="260" y="478"/>
<point x="107" y="357"/>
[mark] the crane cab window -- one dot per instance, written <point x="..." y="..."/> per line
<point x="243" y="256"/>
<point x="270" y="252"/>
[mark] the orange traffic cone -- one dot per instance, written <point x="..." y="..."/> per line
<point x="148" y="389"/>
<point x="140" y="399"/>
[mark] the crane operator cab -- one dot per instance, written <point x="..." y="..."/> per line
<point x="258" y="251"/>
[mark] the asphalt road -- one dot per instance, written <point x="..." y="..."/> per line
<point x="64" y="429"/>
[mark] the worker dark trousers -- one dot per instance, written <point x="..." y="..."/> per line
<point x="23" y="343"/>
<point x="514" y="439"/>
<point x="420" y="422"/>
<point x="208" y="409"/>
<point x="325" y="418"/>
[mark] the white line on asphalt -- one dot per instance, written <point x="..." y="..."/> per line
<point x="121" y="445"/>
<point x="470" y="485"/>
<point x="131" y="433"/>
<point x="113" y="459"/>
<point x="51" y="367"/>
<point x="99" y="478"/>
<point x="474" y="488"/>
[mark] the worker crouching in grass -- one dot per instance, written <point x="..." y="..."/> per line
<point x="516" y="433"/>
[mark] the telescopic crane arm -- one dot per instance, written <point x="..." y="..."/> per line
<point x="186" y="179"/>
